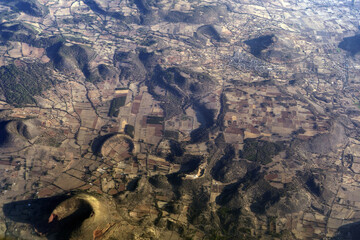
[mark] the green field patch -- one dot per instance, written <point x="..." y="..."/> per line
<point x="154" y="120"/>
<point x="129" y="130"/>
<point x="116" y="103"/>
<point x="357" y="104"/>
<point x="260" y="151"/>
<point x="121" y="88"/>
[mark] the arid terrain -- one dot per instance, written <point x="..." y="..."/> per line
<point x="163" y="119"/>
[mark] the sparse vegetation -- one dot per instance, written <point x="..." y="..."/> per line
<point x="171" y="134"/>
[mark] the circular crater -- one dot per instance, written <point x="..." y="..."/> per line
<point x="81" y="217"/>
<point x="117" y="147"/>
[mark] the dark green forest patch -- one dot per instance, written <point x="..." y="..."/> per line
<point x="20" y="84"/>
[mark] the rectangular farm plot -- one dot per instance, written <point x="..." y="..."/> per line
<point x="116" y="103"/>
<point x="154" y="120"/>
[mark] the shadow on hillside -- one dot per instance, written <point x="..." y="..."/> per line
<point x="35" y="212"/>
<point x="349" y="231"/>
